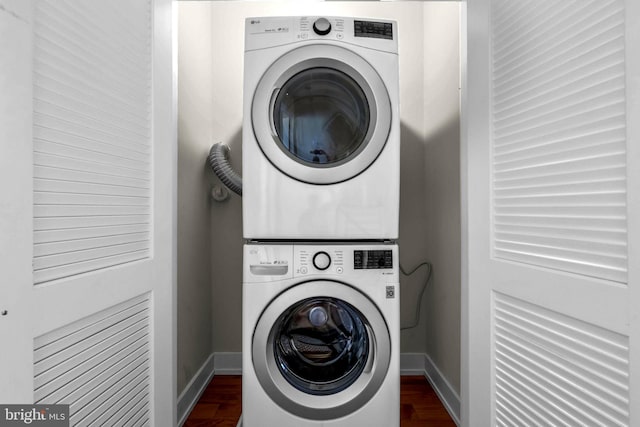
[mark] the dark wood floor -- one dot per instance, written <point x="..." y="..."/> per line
<point x="221" y="404"/>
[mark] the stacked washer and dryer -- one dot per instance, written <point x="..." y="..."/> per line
<point x="321" y="159"/>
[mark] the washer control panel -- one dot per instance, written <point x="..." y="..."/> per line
<point x="267" y="262"/>
<point x="345" y="259"/>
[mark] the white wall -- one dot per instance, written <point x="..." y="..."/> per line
<point x="442" y="154"/>
<point x="429" y="114"/>
<point x="194" y="222"/>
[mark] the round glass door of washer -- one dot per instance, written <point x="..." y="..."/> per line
<point x="321" y="349"/>
<point x="321" y="114"/>
<point x="321" y="345"/>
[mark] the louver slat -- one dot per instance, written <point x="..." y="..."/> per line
<point x="89" y="164"/>
<point x="559" y="138"/>
<point x="555" y="370"/>
<point x="92" y="136"/>
<point x="100" y="366"/>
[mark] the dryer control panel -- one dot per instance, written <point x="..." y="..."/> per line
<point x="264" y="32"/>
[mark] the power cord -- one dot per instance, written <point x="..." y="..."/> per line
<point x="424" y="288"/>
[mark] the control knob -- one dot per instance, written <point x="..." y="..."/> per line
<point x="321" y="260"/>
<point x="322" y="26"/>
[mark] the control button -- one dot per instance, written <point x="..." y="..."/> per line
<point x="322" y="26"/>
<point x="303" y="270"/>
<point x="321" y="260"/>
<point x="339" y="270"/>
<point x="339" y="36"/>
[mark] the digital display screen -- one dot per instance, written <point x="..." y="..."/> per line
<point x="377" y="30"/>
<point x="369" y="260"/>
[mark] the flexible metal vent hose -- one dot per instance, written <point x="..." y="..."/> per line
<point x="219" y="162"/>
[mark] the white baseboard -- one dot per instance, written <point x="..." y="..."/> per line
<point x="412" y="364"/>
<point x="228" y="363"/>
<point x="231" y="364"/>
<point x="448" y="396"/>
<point x="192" y="392"/>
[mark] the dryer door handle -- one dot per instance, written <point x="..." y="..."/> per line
<point x="272" y="106"/>
<point x="372" y="350"/>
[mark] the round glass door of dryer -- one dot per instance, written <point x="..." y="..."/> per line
<point x="321" y="114"/>
<point x="321" y="349"/>
<point x="321" y="117"/>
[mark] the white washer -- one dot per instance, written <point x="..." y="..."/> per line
<point x="321" y="130"/>
<point x="321" y="335"/>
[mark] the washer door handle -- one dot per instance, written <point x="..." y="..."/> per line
<point x="372" y="350"/>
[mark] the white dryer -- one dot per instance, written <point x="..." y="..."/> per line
<point x="321" y="335"/>
<point x="321" y="131"/>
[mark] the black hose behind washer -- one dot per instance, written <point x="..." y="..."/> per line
<point x="219" y="162"/>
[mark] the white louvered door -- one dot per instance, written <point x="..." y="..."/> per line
<point x="87" y="172"/>
<point x="552" y="150"/>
